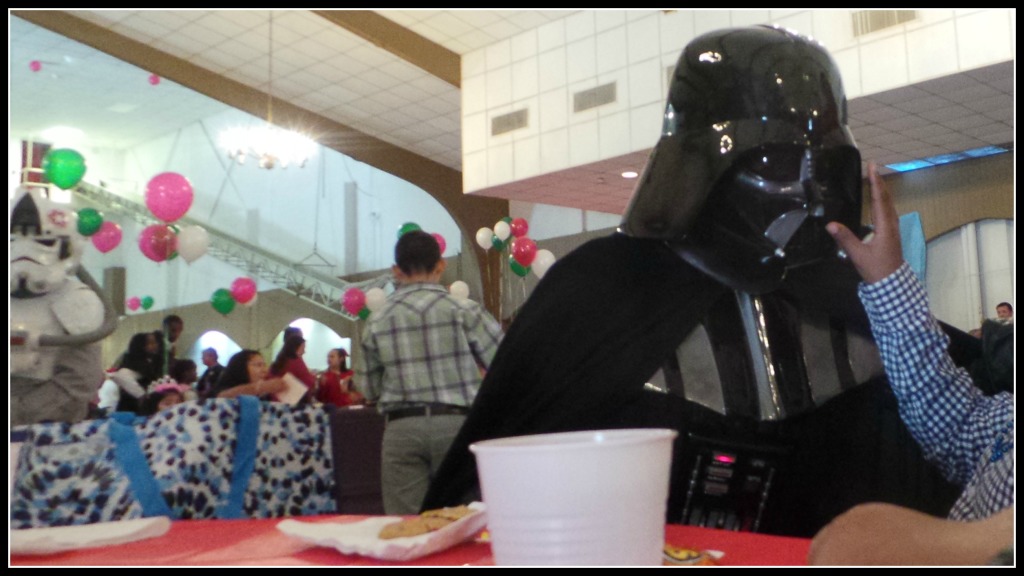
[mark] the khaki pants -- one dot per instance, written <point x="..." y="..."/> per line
<point x="413" y="449"/>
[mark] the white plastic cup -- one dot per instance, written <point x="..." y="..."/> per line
<point x="594" y="498"/>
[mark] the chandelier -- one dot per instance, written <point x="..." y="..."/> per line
<point x="268" y="144"/>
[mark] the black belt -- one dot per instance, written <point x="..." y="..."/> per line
<point x="425" y="410"/>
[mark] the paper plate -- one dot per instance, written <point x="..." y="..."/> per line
<point x="61" y="538"/>
<point x="361" y="537"/>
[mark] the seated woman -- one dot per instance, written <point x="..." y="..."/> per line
<point x="335" y="384"/>
<point x="138" y="367"/>
<point x="289" y="361"/>
<point x="246" y="374"/>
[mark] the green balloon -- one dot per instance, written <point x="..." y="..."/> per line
<point x="408" y="227"/>
<point x="64" y="167"/>
<point x="364" y="313"/>
<point x="222" y="301"/>
<point x="498" y="243"/>
<point x="507" y="219"/>
<point x="147" y="302"/>
<point x="89" y="221"/>
<point x="518" y="268"/>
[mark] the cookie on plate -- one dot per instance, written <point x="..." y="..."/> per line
<point x="405" y="528"/>
<point x="452" y="513"/>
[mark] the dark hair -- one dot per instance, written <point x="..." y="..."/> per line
<point x="292" y="331"/>
<point x="179" y="368"/>
<point x="137" y="359"/>
<point x="236" y="372"/>
<point x="212" y="351"/>
<point x="417" y="252"/>
<point x="160" y="341"/>
<point x="343" y="354"/>
<point x="288" y="351"/>
<point x="1007" y="304"/>
<point x="172" y="319"/>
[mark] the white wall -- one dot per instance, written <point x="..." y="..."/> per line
<point x="540" y="69"/>
<point x="285" y="211"/>
<point x="970" y="270"/>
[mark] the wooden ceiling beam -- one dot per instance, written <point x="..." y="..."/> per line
<point x="400" y="41"/>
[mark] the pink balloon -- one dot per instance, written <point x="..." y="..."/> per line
<point x="168" y="196"/>
<point x="133" y="303"/>
<point x="440" y="241"/>
<point x="154" y="79"/>
<point x="519" y="227"/>
<point x="524" y="250"/>
<point x="353" y="300"/>
<point x="158" y="242"/>
<point x="243" y="289"/>
<point x="107" y="237"/>
<point x="35" y="65"/>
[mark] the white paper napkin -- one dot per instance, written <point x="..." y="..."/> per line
<point x="361" y="537"/>
<point x="294" y="392"/>
<point x="61" y="538"/>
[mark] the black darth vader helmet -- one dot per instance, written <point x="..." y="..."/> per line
<point x="754" y="159"/>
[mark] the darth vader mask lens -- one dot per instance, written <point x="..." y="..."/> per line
<point x="777" y="198"/>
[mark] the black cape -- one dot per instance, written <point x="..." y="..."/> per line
<point x="595" y="328"/>
<point x="604" y="319"/>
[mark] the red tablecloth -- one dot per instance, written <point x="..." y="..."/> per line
<point x="259" y="543"/>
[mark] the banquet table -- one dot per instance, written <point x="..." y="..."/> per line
<point x="257" y="542"/>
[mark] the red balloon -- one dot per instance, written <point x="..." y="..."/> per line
<point x="133" y="303"/>
<point x="169" y="196"/>
<point x="158" y="242"/>
<point x="353" y="300"/>
<point x="524" y="250"/>
<point x="154" y="79"/>
<point x="440" y="241"/>
<point x="519" y="227"/>
<point x="35" y="65"/>
<point x="107" y="237"/>
<point x="243" y="289"/>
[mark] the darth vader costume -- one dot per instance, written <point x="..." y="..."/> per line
<point x="721" y="308"/>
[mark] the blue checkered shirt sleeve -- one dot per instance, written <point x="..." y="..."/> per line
<point x="968" y="435"/>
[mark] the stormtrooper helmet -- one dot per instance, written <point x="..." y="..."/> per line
<point x="754" y="159"/>
<point x="45" y="244"/>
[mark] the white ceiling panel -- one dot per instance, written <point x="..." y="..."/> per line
<point x="329" y="71"/>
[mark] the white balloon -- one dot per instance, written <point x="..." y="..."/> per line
<point x="375" y="298"/>
<point x="541" y="262"/>
<point x="459" y="289"/>
<point x="502" y="230"/>
<point x="483" y="238"/>
<point x="192" y="242"/>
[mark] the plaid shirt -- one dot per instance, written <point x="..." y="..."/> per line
<point x="968" y="435"/>
<point x="424" y="345"/>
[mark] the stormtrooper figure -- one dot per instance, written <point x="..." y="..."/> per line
<point x="721" y="308"/>
<point x="57" y="319"/>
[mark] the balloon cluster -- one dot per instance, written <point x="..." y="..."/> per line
<point x="134" y="303"/>
<point x="104" y="234"/>
<point x="410" y="226"/>
<point x="511" y="234"/>
<point x="361" y="304"/>
<point x="243" y="291"/>
<point x="65" y="168"/>
<point x="169" y="196"/>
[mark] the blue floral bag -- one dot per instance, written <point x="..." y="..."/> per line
<point x="217" y="458"/>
